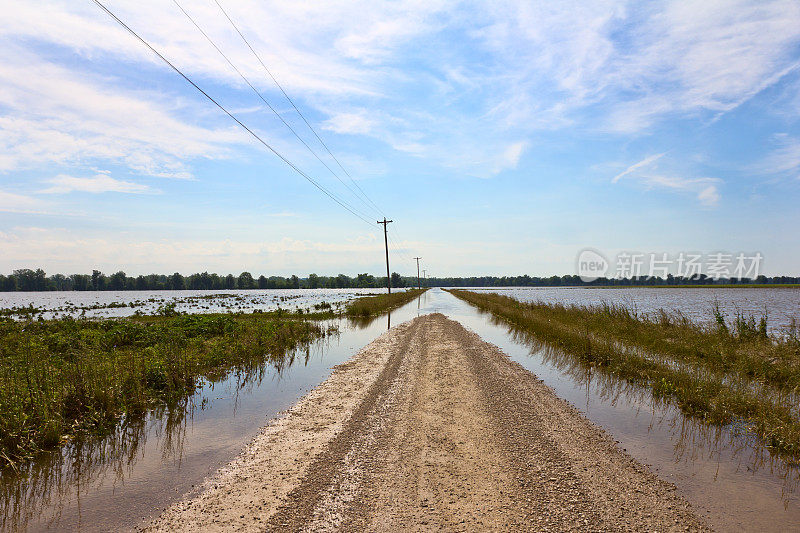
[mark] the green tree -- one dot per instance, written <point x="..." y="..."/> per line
<point x="31" y="280"/>
<point x="245" y="281"/>
<point x="117" y="281"/>
<point x="397" y="280"/>
<point x="176" y="282"/>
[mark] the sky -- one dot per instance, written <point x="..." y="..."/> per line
<point x="500" y="137"/>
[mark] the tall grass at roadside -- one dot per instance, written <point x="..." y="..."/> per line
<point x="380" y="303"/>
<point x="63" y="378"/>
<point x="709" y="372"/>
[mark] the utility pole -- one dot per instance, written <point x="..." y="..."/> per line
<point x="425" y="277"/>
<point x="418" y="285"/>
<point x="386" y="243"/>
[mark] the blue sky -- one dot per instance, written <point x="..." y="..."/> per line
<point x="501" y="137"/>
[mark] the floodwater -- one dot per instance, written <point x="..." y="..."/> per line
<point x="117" y="482"/>
<point x="781" y="304"/>
<point x="122" y="480"/>
<point x="105" y="304"/>
<point x="729" y="478"/>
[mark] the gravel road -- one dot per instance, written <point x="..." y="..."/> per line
<point x="430" y="428"/>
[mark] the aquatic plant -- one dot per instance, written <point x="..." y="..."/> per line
<point x="718" y="374"/>
<point x="61" y="379"/>
<point x="378" y="304"/>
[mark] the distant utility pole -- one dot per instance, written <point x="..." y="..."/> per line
<point x="418" y="285"/>
<point x="425" y="277"/>
<point x="386" y="243"/>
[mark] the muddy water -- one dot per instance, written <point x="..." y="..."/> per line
<point x="119" y="482"/>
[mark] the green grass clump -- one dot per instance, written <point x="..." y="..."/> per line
<point x="720" y="373"/>
<point x="60" y="379"/>
<point x="375" y="305"/>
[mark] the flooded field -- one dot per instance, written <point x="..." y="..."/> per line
<point x="730" y="478"/>
<point x="105" y="304"/>
<point x="147" y="464"/>
<point x="781" y="305"/>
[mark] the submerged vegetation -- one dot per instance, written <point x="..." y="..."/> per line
<point x="64" y="378"/>
<point x="375" y="305"/>
<point x="730" y="372"/>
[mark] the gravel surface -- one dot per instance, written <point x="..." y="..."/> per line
<point x="430" y="428"/>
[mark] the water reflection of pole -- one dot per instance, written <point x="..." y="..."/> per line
<point x="388" y="321"/>
<point x="588" y="384"/>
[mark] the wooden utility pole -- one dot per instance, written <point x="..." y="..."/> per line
<point x="425" y="276"/>
<point x="418" y="284"/>
<point x="386" y="243"/>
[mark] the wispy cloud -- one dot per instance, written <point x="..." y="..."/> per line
<point x="19" y="203"/>
<point x="351" y="123"/>
<point x="646" y="173"/>
<point x="427" y="72"/>
<point x="99" y="183"/>
<point x="636" y="166"/>
<point x="783" y="160"/>
<point x="63" y="250"/>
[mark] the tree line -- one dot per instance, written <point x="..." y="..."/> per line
<point x="37" y="280"/>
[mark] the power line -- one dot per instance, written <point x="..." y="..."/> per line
<point x="258" y="57"/>
<point x="397" y="245"/>
<point x="258" y="93"/>
<point x="400" y="250"/>
<point x="231" y="115"/>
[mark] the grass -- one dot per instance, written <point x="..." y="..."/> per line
<point x="376" y="305"/>
<point x="724" y="373"/>
<point x="65" y="378"/>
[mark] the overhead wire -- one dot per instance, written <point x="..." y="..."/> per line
<point x="261" y="96"/>
<point x="289" y="99"/>
<point x="395" y="244"/>
<point x="231" y="115"/>
<point x="398" y="248"/>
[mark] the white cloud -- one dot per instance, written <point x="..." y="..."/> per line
<point x="634" y="63"/>
<point x="709" y="196"/>
<point x="465" y="79"/>
<point x="64" y="118"/>
<point x="646" y="173"/>
<point x="62" y="250"/>
<point x="352" y="123"/>
<point x="96" y="184"/>
<point x="19" y="203"/>
<point x="509" y="159"/>
<point x="783" y="160"/>
<point x="636" y="166"/>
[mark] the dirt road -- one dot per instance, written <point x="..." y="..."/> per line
<point x="429" y="428"/>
